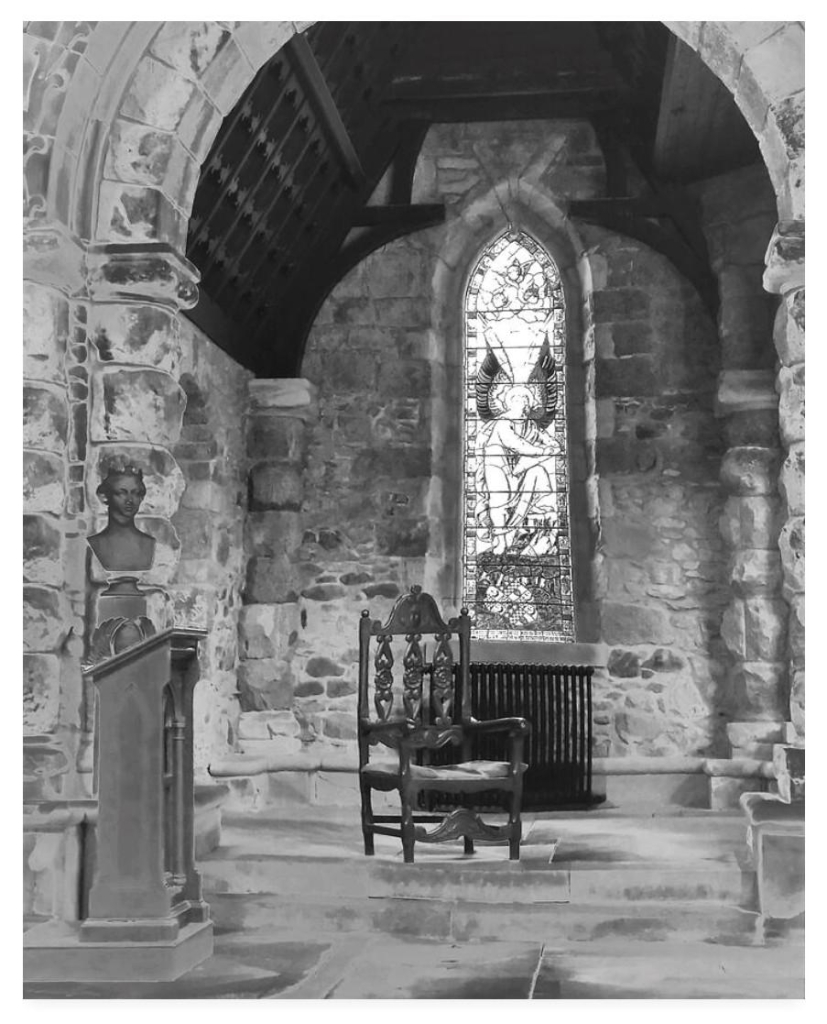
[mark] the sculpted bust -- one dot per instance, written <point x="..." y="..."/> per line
<point x="121" y="545"/>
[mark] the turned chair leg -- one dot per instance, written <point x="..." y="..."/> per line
<point x="407" y="831"/>
<point x="367" y="819"/>
<point x="515" y="821"/>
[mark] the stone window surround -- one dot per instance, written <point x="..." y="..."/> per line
<point x="518" y="206"/>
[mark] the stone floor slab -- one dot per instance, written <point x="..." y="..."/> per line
<point x="400" y="969"/>
<point x="671" y="970"/>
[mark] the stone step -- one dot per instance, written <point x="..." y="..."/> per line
<point x="585" y="859"/>
<point x="482" y="882"/>
<point x="645" y="921"/>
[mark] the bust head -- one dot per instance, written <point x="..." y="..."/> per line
<point x="121" y="545"/>
<point x="122" y="490"/>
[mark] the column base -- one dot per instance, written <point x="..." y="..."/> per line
<point x="55" y="952"/>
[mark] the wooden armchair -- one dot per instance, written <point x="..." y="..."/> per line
<point x="424" y="724"/>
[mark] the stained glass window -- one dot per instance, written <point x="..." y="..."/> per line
<point x="517" y="559"/>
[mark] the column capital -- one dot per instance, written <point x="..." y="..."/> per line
<point x="283" y="396"/>
<point x="146" y="271"/>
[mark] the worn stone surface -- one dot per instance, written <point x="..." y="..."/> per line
<point x="791" y="403"/>
<point x="41" y="692"/>
<point x="276" y="486"/>
<point x="278" y="438"/>
<point x="762" y="690"/>
<point x="269" y="681"/>
<point x="752" y="523"/>
<point x="45" y="331"/>
<point x="158" y="95"/>
<point x="273" y="532"/>
<point x="265" y="630"/>
<point x="43" y="482"/>
<point x="796" y="627"/>
<point x="788" y="332"/>
<point x="755" y="629"/>
<point x="136" y="405"/>
<point x="45" y="418"/>
<point x="42" y="542"/>
<point x="137" y="334"/>
<point x="791" y="479"/>
<point x="755" y="571"/>
<point x="271" y="580"/>
<point x="750" y="470"/>
<point x="791" y="545"/>
<point x="797" y="702"/>
<point x="44" y="619"/>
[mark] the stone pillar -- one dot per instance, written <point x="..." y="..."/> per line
<point x="754" y="625"/>
<point x="134" y="408"/>
<point x="277" y="426"/>
<point x="54" y="392"/>
<point x="784" y="275"/>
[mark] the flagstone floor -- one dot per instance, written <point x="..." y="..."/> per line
<point x="601" y="905"/>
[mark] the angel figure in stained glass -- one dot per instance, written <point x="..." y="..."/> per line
<point x="517" y="493"/>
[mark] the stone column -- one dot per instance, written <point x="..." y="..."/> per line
<point x="54" y="393"/>
<point x="135" y="406"/>
<point x="277" y="428"/>
<point x="754" y="626"/>
<point x="785" y="276"/>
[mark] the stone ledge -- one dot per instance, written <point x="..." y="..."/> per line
<point x="745" y="391"/>
<point x="237" y="765"/>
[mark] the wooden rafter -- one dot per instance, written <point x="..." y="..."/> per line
<point x="302" y="59"/>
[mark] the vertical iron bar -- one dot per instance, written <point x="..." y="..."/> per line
<point x="558" y="728"/>
<point x="567" y="732"/>
<point x="541" y="683"/>
<point x="589" y="735"/>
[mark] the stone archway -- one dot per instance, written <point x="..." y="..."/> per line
<point x="118" y="120"/>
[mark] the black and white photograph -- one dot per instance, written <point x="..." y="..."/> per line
<point x="413" y="508"/>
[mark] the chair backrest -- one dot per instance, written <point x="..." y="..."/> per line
<point x="414" y="616"/>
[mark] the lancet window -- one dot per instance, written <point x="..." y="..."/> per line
<point x="517" y="571"/>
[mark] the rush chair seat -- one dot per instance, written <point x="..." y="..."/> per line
<point x="424" y="723"/>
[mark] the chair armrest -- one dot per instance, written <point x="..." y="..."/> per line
<point x="513" y="726"/>
<point x="400" y="727"/>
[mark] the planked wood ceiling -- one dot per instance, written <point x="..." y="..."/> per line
<point x="281" y="212"/>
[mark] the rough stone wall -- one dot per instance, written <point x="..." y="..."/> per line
<point x="210" y="524"/>
<point x="658" y="457"/>
<point x="378" y="353"/>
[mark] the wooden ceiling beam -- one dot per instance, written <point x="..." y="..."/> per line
<point x="403" y="165"/>
<point x="302" y="59"/>
<point x="518" y="106"/>
<point x="409" y="216"/>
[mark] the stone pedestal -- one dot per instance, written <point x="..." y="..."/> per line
<point x="146" y="918"/>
